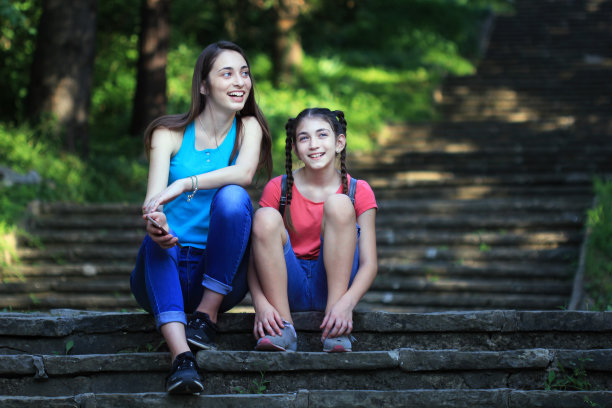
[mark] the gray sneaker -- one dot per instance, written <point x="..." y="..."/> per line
<point x="285" y="342"/>
<point x="338" y="344"/>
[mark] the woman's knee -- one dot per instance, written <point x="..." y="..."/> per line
<point x="232" y="200"/>
<point x="266" y="221"/>
<point x="339" y="208"/>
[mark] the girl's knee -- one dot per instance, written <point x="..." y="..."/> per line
<point x="266" y="221"/>
<point x="339" y="208"/>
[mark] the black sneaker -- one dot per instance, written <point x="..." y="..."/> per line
<point x="184" y="377"/>
<point x="201" y="332"/>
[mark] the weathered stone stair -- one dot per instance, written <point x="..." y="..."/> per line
<point x="483" y="210"/>
<point x="488" y="358"/>
<point x="477" y="215"/>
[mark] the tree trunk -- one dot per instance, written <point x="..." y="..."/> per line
<point x="62" y="69"/>
<point x="150" y="98"/>
<point x="288" y="53"/>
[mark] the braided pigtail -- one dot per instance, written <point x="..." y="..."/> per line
<point x="343" y="172"/>
<point x="290" y="129"/>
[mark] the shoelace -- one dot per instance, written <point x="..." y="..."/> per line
<point x="199" y="321"/>
<point x="185" y="364"/>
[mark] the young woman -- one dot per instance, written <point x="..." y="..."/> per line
<point x="321" y="255"/>
<point x="198" y="214"/>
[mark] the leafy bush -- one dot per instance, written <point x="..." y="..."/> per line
<point x="65" y="177"/>
<point x="598" y="273"/>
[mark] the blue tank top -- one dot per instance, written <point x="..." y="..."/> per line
<point x="190" y="220"/>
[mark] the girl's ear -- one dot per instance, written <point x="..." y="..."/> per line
<point x="203" y="90"/>
<point x="340" y="142"/>
<point x="295" y="152"/>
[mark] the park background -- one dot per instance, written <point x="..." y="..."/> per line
<point x="379" y="61"/>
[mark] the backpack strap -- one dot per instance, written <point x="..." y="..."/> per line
<point x="352" y="188"/>
<point x="283" y="197"/>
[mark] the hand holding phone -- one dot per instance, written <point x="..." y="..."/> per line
<point x="164" y="232"/>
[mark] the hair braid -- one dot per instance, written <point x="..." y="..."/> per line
<point x="343" y="172"/>
<point x="290" y="129"/>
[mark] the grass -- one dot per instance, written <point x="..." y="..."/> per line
<point x="568" y="379"/>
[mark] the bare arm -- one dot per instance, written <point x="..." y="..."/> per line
<point x="164" y="144"/>
<point x="368" y="259"/>
<point x="241" y="173"/>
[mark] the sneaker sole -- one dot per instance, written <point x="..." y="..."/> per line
<point x="202" y="346"/>
<point x="267" y="345"/>
<point x="182" y="387"/>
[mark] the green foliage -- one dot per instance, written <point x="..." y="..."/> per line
<point x="396" y="33"/>
<point x="18" y="24"/>
<point x="69" y="346"/>
<point x="574" y="379"/>
<point x="258" y="386"/>
<point x="598" y="268"/>
<point x="377" y="61"/>
<point x="65" y="177"/>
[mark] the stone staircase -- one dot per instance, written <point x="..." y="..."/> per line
<point x="479" y="232"/>
<point x="484" y="210"/>
<point x="447" y="359"/>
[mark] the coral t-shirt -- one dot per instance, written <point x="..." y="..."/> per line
<point x="307" y="215"/>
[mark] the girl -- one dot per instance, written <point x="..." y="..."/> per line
<point x="321" y="255"/>
<point x="198" y="215"/>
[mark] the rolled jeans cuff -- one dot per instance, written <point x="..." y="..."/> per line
<point x="216" y="286"/>
<point x="169" y="317"/>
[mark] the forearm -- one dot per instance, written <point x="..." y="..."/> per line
<point x="257" y="294"/>
<point x="361" y="284"/>
<point x="235" y="174"/>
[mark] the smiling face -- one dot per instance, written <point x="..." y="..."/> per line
<point x="316" y="144"/>
<point x="228" y="83"/>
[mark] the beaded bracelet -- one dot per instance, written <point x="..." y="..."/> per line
<point x="194" y="187"/>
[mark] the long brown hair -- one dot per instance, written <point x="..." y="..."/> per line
<point x="202" y="68"/>
<point x="338" y="124"/>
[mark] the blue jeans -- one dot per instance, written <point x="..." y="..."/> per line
<point x="170" y="282"/>
<point x="307" y="278"/>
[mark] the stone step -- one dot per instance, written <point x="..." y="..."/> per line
<point x="52" y="300"/>
<point x="85" y="268"/>
<point x="428" y="301"/>
<point x="476" y="269"/>
<point x="384" y="236"/>
<point x="473" y="222"/>
<point x="35" y="293"/>
<point x="443" y="165"/>
<point x="408" y="178"/>
<point x="502" y="397"/>
<point x="522" y="204"/>
<point x="494" y="131"/>
<point x="112" y="253"/>
<point x="118" y="359"/>
<point x="465" y="147"/>
<point x="457" y="254"/>
<point x="495" y="330"/>
<point x="391" y="236"/>
<point x="403" y="368"/>
<point x="420" y="268"/>
<point x="433" y="283"/>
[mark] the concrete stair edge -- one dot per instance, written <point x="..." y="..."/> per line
<point x="421" y="398"/>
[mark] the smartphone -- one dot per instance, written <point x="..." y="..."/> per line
<point x="164" y="232"/>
